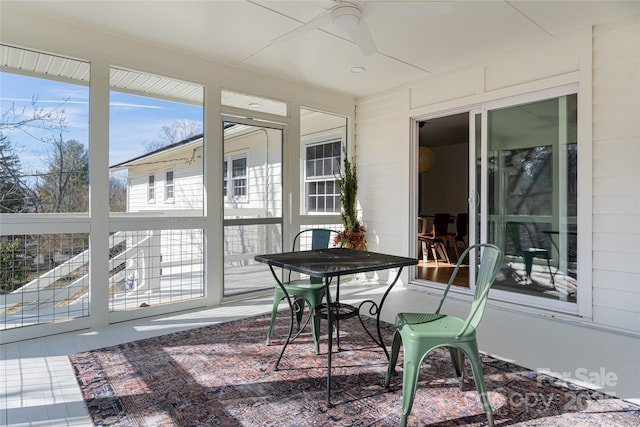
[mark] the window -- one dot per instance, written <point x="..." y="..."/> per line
<point x="323" y="138"/>
<point x="151" y="188"/>
<point x="155" y="127"/>
<point x="168" y="186"/>
<point x="44" y="133"/>
<point x="239" y="177"/>
<point x="322" y="166"/>
<point x="225" y="179"/>
<point x="44" y="168"/>
<point x="235" y="179"/>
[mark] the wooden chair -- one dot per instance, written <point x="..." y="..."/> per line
<point x="462" y="227"/>
<point x="423" y="237"/>
<point x="436" y="239"/>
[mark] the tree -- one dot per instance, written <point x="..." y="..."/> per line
<point x="16" y="184"/>
<point x="117" y="194"/>
<point x="13" y="193"/>
<point x="65" y="185"/>
<point x="179" y="130"/>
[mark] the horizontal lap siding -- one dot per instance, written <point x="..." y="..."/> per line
<point x="616" y="176"/>
<point x="382" y="157"/>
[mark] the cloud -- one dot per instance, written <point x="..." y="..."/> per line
<point x="43" y="101"/>
<point x="130" y="106"/>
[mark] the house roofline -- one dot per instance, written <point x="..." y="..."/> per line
<point x="158" y="151"/>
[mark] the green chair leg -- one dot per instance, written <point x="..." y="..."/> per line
<point x="393" y="358"/>
<point x="306" y="298"/>
<point x="478" y="376"/>
<point x="457" y="357"/>
<point x="274" y="312"/>
<point x="413" y="355"/>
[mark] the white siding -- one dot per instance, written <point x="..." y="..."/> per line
<point x="382" y="157"/>
<point x="616" y="176"/>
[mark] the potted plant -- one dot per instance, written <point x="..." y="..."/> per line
<point x="353" y="235"/>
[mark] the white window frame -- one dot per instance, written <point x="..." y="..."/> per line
<point x="230" y="180"/>
<point x="169" y="185"/>
<point x="151" y="187"/>
<point x="321" y="178"/>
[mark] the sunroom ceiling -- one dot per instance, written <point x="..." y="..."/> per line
<point x="413" y="38"/>
<point x="38" y="64"/>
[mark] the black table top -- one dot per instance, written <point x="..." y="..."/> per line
<point x="335" y="261"/>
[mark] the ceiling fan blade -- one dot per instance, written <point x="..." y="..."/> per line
<point x="314" y="24"/>
<point x="401" y="8"/>
<point x="362" y="36"/>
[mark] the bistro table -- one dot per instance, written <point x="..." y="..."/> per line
<point x="333" y="263"/>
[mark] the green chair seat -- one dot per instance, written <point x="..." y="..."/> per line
<point x="420" y="333"/>
<point x="445" y="327"/>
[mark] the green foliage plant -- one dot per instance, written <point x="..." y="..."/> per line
<point x="348" y="191"/>
<point x="353" y="234"/>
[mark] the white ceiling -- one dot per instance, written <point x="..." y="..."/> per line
<point x="413" y="38"/>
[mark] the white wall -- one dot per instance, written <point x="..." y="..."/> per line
<point x="616" y="174"/>
<point x="605" y="62"/>
<point x="445" y="188"/>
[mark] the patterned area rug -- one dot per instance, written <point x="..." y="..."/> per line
<point x="223" y="375"/>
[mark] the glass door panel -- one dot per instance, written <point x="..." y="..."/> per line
<point x="531" y="197"/>
<point x="252" y="192"/>
<point x="444" y="192"/>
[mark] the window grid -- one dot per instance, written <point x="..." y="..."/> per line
<point x="151" y="193"/>
<point x="239" y="177"/>
<point x="225" y="183"/>
<point x="168" y="185"/>
<point x="322" y="167"/>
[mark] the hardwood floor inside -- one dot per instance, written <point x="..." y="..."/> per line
<point x="441" y="272"/>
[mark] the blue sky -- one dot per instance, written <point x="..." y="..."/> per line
<point x="134" y="120"/>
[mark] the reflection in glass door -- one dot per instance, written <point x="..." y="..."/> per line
<point x="531" y="197"/>
<point x="252" y="192"/>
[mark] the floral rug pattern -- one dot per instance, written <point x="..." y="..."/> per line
<point x="223" y="375"/>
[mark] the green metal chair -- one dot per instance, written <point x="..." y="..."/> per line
<point x="420" y="333"/>
<point x="522" y="241"/>
<point x="308" y="291"/>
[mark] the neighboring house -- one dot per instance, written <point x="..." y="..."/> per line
<point x="166" y="179"/>
<point x="169" y="180"/>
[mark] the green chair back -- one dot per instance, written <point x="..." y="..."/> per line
<point x="320" y="239"/>
<point x="490" y="263"/>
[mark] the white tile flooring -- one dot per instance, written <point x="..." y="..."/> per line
<point x="38" y="386"/>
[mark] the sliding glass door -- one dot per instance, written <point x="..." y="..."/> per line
<point x="520" y="190"/>
<point x="529" y="203"/>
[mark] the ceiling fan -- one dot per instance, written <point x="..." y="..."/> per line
<point x="350" y="17"/>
